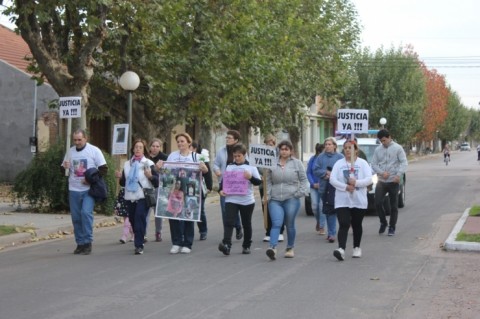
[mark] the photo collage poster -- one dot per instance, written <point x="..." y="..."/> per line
<point x="179" y="191"/>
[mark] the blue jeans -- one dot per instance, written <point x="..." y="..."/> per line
<point x="317" y="206"/>
<point x="238" y="225"/>
<point x="81" y="210"/>
<point x="331" y="224"/>
<point x="281" y="211"/>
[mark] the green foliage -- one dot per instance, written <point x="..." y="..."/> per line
<point x="456" y="121"/>
<point x="461" y="236"/>
<point x="255" y="63"/>
<point x="12" y="229"/>
<point x="390" y="84"/>
<point x="474" y="211"/>
<point x="106" y="207"/>
<point x="43" y="183"/>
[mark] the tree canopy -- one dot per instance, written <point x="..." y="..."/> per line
<point x="251" y="63"/>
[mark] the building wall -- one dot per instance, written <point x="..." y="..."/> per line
<point x="17" y="122"/>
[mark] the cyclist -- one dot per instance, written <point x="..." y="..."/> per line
<point x="446" y="153"/>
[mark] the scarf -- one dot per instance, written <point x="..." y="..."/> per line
<point x="132" y="185"/>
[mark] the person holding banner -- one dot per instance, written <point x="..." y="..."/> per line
<point x="239" y="198"/>
<point x="286" y="184"/>
<point x="156" y="155"/>
<point x="269" y="140"/>
<point x="138" y="173"/>
<point x="182" y="231"/>
<point x="223" y="158"/>
<point x="350" y="176"/>
<point x="81" y="203"/>
<point x="322" y="170"/>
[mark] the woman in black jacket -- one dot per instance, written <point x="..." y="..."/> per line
<point x="203" y="155"/>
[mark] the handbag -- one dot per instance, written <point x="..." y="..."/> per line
<point x="150" y="195"/>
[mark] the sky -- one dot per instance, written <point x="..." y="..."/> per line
<point x="444" y="34"/>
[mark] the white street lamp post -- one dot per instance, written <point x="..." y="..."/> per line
<point x="129" y="81"/>
<point x="383" y="121"/>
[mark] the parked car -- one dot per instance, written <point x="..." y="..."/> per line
<point x="465" y="147"/>
<point x="368" y="146"/>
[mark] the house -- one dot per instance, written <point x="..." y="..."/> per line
<point x="26" y="124"/>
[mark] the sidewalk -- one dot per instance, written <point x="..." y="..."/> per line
<point x="46" y="226"/>
<point x="467" y="224"/>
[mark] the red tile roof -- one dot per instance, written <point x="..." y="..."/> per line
<point x="13" y="49"/>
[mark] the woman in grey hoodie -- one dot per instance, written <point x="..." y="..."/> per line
<point x="286" y="184"/>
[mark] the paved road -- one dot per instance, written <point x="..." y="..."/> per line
<point x="406" y="276"/>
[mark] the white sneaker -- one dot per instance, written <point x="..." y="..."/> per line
<point x="339" y="253"/>
<point x="175" y="249"/>
<point x="266" y="239"/>
<point x="357" y="252"/>
<point x="185" y="250"/>
<point x="280" y="238"/>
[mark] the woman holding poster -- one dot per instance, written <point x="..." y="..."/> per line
<point x="286" y="184"/>
<point x="182" y="231"/>
<point x="237" y="188"/>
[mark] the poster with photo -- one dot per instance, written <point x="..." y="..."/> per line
<point x="179" y="191"/>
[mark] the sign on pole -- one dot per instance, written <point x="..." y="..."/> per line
<point x="263" y="156"/>
<point x="352" y="120"/>
<point x="120" y="141"/>
<point x="70" y="107"/>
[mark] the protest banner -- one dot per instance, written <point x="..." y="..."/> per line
<point x="263" y="156"/>
<point x="234" y="183"/>
<point x="352" y="120"/>
<point x="179" y="192"/>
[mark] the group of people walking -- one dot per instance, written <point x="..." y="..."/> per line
<point x="337" y="184"/>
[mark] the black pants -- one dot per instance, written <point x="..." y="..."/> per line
<point x="381" y="191"/>
<point x="231" y="213"/>
<point x="269" y="220"/>
<point x="137" y="214"/>
<point x="202" y="225"/>
<point x="346" y="217"/>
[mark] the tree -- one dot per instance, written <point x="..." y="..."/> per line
<point x="248" y="64"/>
<point x="456" y="121"/>
<point x="390" y="84"/>
<point x="435" y="112"/>
<point x="62" y="36"/>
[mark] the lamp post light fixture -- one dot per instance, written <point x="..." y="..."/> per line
<point x="129" y="81"/>
<point x="382" y="122"/>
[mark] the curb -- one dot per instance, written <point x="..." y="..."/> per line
<point x="453" y="245"/>
<point x="50" y="233"/>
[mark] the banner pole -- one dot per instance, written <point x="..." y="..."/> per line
<point x="265" y="199"/>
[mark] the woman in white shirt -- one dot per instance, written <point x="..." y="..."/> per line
<point x="350" y="176"/>
<point x="182" y="231"/>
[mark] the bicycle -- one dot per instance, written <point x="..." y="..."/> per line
<point x="446" y="158"/>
